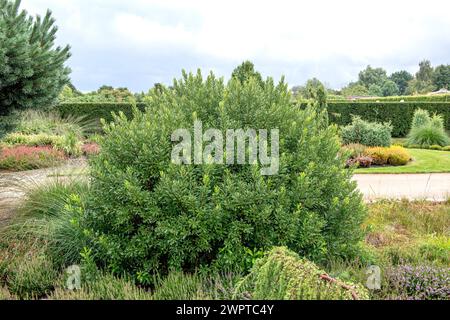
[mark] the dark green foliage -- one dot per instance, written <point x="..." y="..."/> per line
<point x="400" y="114"/>
<point x="441" y="77"/>
<point x="32" y="71"/>
<point x="283" y="275"/>
<point x="371" y="134"/>
<point x="401" y="79"/>
<point x="148" y="215"/>
<point x="389" y="88"/>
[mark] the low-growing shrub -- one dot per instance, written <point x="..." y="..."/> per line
<point x="104" y="287"/>
<point x="26" y="158"/>
<point x="179" y="286"/>
<point x="419" y="282"/>
<point x="90" y="149"/>
<point x="283" y="275"/>
<point x="32" y="277"/>
<point x="32" y="140"/>
<point x="360" y="161"/>
<point x="435" y="147"/>
<point x="353" y="149"/>
<point x="367" y="133"/>
<point x="446" y="148"/>
<point x="395" y="155"/>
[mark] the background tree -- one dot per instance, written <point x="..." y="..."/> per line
<point x="245" y="71"/>
<point x="371" y="76"/>
<point x="441" y="77"/>
<point x="354" y="89"/>
<point x="375" y="90"/>
<point x="32" y="70"/>
<point x="401" y="79"/>
<point x="425" y="73"/>
<point x="389" y="88"/>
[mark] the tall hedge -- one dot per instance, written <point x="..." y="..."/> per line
<point x="97" y="110"/>
<point x="400" y="114"/>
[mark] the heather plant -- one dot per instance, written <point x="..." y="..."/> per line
<point x="420" y="282"/>
<point x="148" y="215"/>
<point x="26" y="158"/>
<point x="367" y="133"/>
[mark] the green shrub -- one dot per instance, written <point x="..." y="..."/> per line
<point x="428" y="135"/>
<point x="446" y="148"/>
<point x="32" y="140"/>
<point x="367" y="133"/>
<point x="435" y="147"/>
<point x="353" y="149"/>
<point x="32" y="277"/>
<point x="426" y="130"/>
<point x="283" y="275"/>
<point x="147" y="215"/>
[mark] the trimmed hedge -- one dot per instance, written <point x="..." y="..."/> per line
<point x="400" y="114"/>
<point x="432" y="98"/>
<point x="97" y="110"/>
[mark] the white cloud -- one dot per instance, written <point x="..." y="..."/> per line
<point x="329" y="38"/>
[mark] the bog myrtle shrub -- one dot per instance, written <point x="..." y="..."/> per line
<point x="147" y="215"/>
<point x="367" y="133"/>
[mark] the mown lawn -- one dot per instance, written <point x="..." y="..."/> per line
<point x="424" y="161"/>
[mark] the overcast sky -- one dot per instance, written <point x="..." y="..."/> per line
<point x="136" y="43"/>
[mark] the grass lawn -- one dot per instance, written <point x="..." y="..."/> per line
<point x="424" y="161"/>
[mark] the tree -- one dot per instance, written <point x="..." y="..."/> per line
<point x="375" y="90"/>
<point x="441" y="77"/>
<point x="401" y="79"/>
<point x="371" y="76"/>
<point x="425" y="73"/>
<point x="32" y="70"/>
<point x="354" y="89"/>
<point x="389" y="88"/>
<point x="246" y="71"/>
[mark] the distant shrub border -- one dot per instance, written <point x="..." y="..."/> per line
<point x="97" y="110"/>
<point x="400" y="114"/>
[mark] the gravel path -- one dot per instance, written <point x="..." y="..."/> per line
<point x="14" y="184"/>
<point x="427" y="186"/>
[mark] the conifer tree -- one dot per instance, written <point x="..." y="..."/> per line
<point x="32" y="70"/>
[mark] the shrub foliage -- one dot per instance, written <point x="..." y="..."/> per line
<point x="367" y="133"/>
<point x="146" y="214"/>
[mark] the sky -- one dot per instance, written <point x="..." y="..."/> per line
<point x="136" y="43"/>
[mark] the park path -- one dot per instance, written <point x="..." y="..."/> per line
<point x="13" y="185"/>
<point x="426" y="186"/>
<point x="432" y="186"/>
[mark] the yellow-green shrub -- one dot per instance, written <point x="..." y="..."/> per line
<point x="283" y="275"/>
<point x="394" y="155"/>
